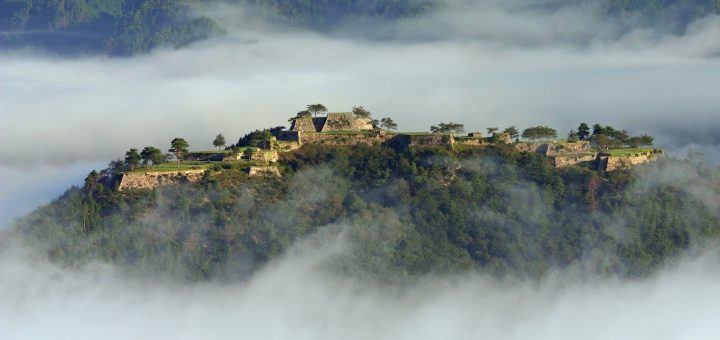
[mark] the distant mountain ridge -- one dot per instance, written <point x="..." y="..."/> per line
<point x="127" y="27"/>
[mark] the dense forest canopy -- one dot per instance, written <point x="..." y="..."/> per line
<point x="126" y="27"/>
<point x="404" y="214"/>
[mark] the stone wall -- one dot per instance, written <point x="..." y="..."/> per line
<point x="263" y="171"/>
<point x="303" y="124"/>
<point x="345" y="121"/>
<point x="554" y="149"/>
<point x="343" y="138"/>
<point x="470" y="141"/>
<point x="151" y="180"/>
<point x="286" y="146"/>
<point x="610" y="163"/>
<point x="562" y="161"/>
<point x="434" y="139"/>
<point x="269" y="156"/>
<point x="402" y="141"/>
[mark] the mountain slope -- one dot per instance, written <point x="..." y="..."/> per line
<point x="126" y="27"/>
<point x="402" y="214"/>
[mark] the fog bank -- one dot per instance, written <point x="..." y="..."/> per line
<point x="298" y="297"/>
<point x="24" y="187"/>
<point x="490" y="63"/>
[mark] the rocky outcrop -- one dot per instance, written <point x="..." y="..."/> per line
<point x="263" y="171"/>
<point x="151" y="180"/>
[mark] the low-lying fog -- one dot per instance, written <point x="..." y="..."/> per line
<point x="296" y="298"/>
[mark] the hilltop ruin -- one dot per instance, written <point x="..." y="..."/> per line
<point x="347" y="129"/>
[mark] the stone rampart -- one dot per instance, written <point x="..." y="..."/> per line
<point x="611" y="163"/>
<point x="345" y="121"/>
<point x="269" y="156"/>
<point x="566" y="160"/>
<point x="151" y="180"/>
<point x="303" y="124"/>
<point x="263" y="171"/>
<point x="350" y="138"/>
<point x="554" y="149"/>
<point x="404" y="141"/>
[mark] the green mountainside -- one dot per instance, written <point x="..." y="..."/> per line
<point x="127" y="27"/>
<point x="122" y="27"/>
<point x="403" y="213"/>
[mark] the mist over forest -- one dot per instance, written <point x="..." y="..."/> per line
<point x="82" y="82"/>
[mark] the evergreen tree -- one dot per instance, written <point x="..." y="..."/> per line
<point x="219" y="141"/>
<point x="179" y="148"/>
<point x="132" y="158"/>
<point x="316" y="108"/>
<point x="512" y="131"/>
<point x="453" y="128"/>
<point x="152" y="155"/>
<point x="388" y="123"/>
<point x="360" y="112"/>
<point x="583" y="131"/>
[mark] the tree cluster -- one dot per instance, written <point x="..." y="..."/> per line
<point x="148" y="157"/>
<point x="605" y="137"/>
<point x="539" y="133"/>
<point x="255" y="138"/>
<point x="453" y="128"/>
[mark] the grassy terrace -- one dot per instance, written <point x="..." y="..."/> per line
<point x="628" y="151"/>
<point x="423" y="133"/>
<point x="576" y="155"/>
<point x="348" y="132"/>
<point x="184" y="166"/>
<point x="557" y="141"/>
<point x="174" y="166"/>
<point x="212" y="152"/>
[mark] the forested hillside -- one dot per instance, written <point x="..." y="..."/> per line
<point x="682" y="9"/>
<point x="121" y="27"/>
<point x="126" y="27"/>
<point x="403" y="213"/>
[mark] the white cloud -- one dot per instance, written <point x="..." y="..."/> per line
<point x="297" y="297"/>
<point x="498" y="63"/>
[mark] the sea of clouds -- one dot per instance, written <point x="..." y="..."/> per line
<point x="489" y="63"/>
<point x="296" y="297"/>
